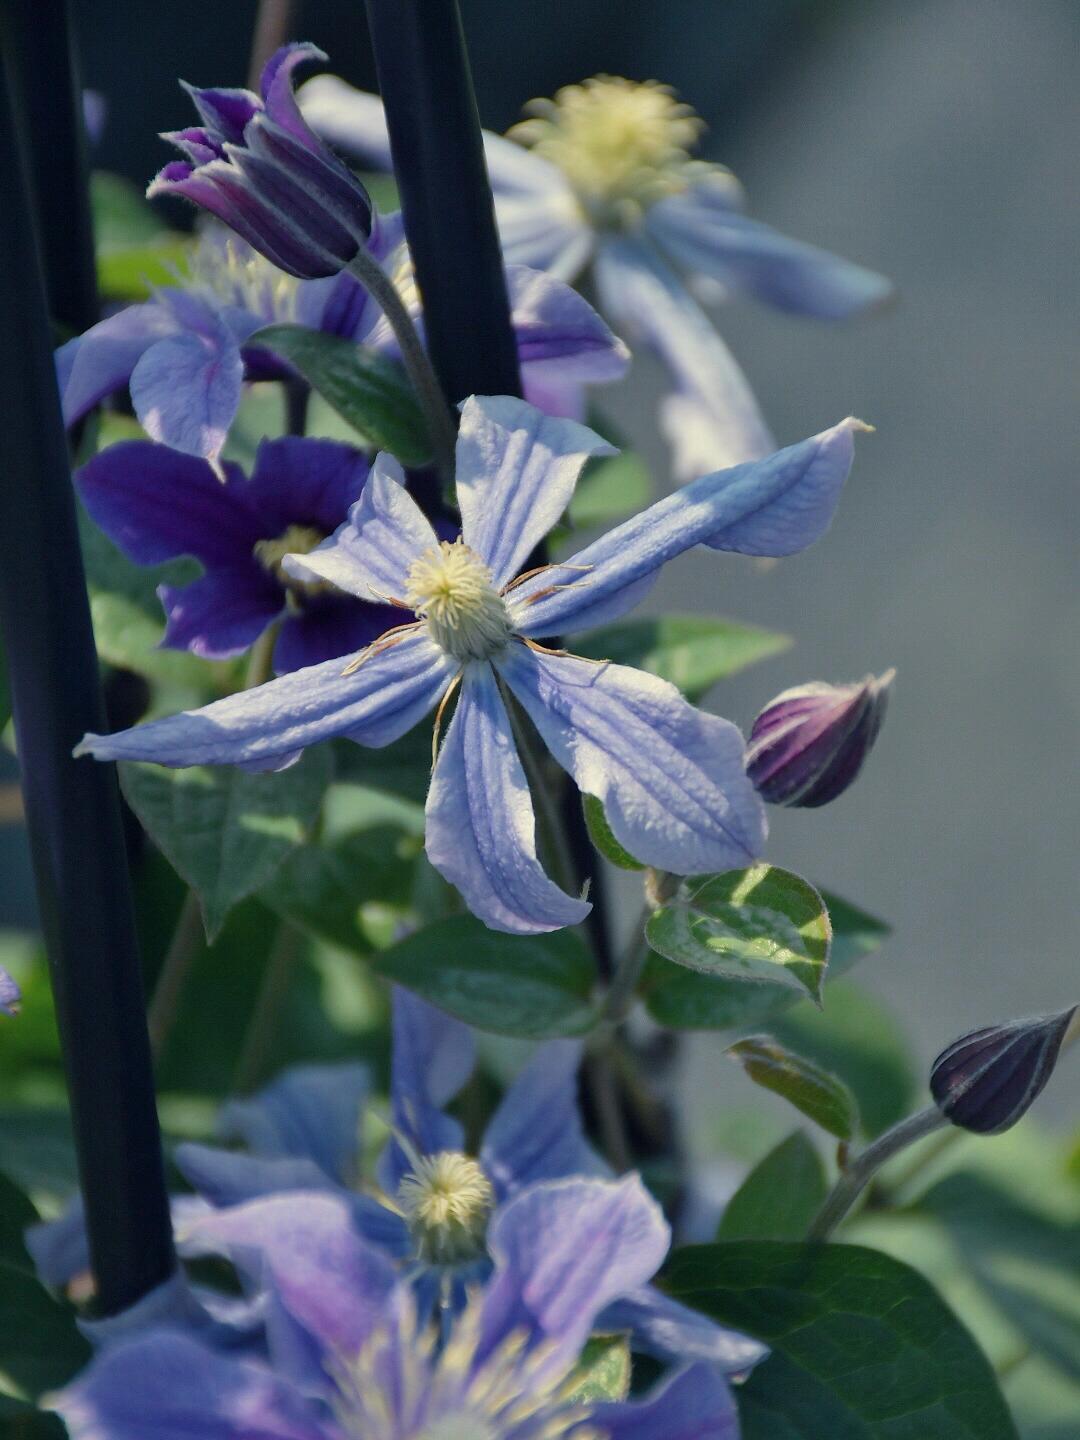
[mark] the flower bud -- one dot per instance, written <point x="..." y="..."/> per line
<point x="10" y="995"/>
<point x="987" y="1080"/>
<point x="808" y="745"/>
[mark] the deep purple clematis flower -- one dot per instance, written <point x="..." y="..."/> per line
<point x="671" y="778"/>
<point x="186" y="353"/>
<point x="349" y="1357"/>
<point x="603" y="174"/>
<point x="809" y="744"/>
<point x="157" y="504"/>
<point x="256" y="164"/>
<point x="10" y="994"/>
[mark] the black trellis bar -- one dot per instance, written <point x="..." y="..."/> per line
<point x="72" y="806"/>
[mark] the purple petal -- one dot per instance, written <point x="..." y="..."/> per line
<point x="225" y="112"/>
<point x="311" y="1112"/>
<point x="702" y="232"/>
<point x="95" y="364"/>
<point x="516" y="472"/>
<point x="305" y="482"/>
<point x="197" y="144"/>
<point x="676" y="1334"/>
<point x="156" y="503"/>
<point x="432" y="1057"/>
<point x="775" y="506"/>
<point x="337" y="305"/>
<point x="276" y="85"/>
<point x="381" y="700"/>
<point x="536" y="1133"/>
<point x="562" y="1252"/>
<point x="651" y="303"/>
<point x="480" y="832"/>
<point x="559" y="333"/>
<point x="59" y="1248"/>
<point x="173" y="1388"/>
<point x="330" y="626"/>
<point x="186" y="391"/>
<point x="221" y="614"/>
<point x="10" y="994"/>
<point x="671" y="778"/>
<point x="694" y="1404"/>
<point x="371" y="554"/>
<point x="338" y="197"/>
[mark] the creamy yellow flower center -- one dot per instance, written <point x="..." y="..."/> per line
<point x="296" y="540"/>
<point x="451" y="588"/>
<point x="446" y="1200"/>
<point x="231" y="271"/>
<point x="622" y="144"/>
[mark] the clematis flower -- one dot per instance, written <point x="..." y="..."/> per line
<point x="256" y="164"/>
<point x="156" y="504"/>
<point x="186" y="353"/>
<point x="671" y="777"/>
<point x="604" y="174"/>
<point x="10" y="994"/>
<point x="350" y="1357"/>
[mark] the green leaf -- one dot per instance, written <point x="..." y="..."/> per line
<point x="133" y="273"/>
<point x="762" y="926"/>
<point x="226" y="831"/>
<point x="855" y="933"/>
<point x="533" y="986"/>
<point x="20" y="1421"/>
<point x="813" y="1090"/>
<point x="403" y="768"/>
<point x="40" y="1345"/>
<point x="780" y="1196"/>
<point x="692" y="651"/>
<point x="37" y="1152"/>
<point x="16" y="1213"/>
<point x="863" y="1348"/>
<point x="611" y="487"/>
<point x="370" y="391"/>
<point x="603" y="1371"/>
<point x="122" y="215"/>
<point x="602" y="838"/>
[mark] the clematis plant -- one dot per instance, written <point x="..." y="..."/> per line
<point x="603" y="174"/>
<point x="671" y="777"/>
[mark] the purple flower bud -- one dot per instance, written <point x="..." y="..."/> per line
<point x="10" y="995"/>
<point x="257" y="165"/>
<point x="987" y="1080"/>
<point x="808" y="745"/>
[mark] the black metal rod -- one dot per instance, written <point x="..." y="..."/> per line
<point x="38" y="44"/>
<point x="438" y="155"/>
<point x="72" y="806"/>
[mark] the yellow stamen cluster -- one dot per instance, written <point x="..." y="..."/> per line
<point x="296" y="540"/>
<point x="622" y="144"/>
<point x="230" y="270"/>
<point x="446" y="1200"/>
<point x="451" y="589"/>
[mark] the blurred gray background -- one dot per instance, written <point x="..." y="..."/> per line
<point x="935" y="140"/>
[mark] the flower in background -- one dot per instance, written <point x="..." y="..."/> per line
<point x="671" y="778"/>
<point x="603" y="173"/>
<point x="348" y="1355"/>
<point x="810" y="743"/>
<point x="187" y="352"/>
<point x="10" y="994"/>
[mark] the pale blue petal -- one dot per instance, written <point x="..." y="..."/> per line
<point x="59" y="1248"/>
<point x="701" y="231"/>
<point x="671" y="1332"/>
<point x="171" y="1387"/>
<point x="693" y="1404"/>
<point x="648" y="301"/>
<point x="95" y="364"/>
<point x="384" y="698"/>
<point x="481" y="833"/>
<point x="516" y="473"/>
<point x="775" y="506"/>
<point x="311" y="1112"/>
<point x="671" y="778"/>
<point x="186" y="390"/>
<point x="545" y="232"/>
<point x="432" y="1056"/>
<point x="536" y="1133"/>
<point x="563" y="1250"/>
<point x="560" y="337"/>
<point x="370" y="555"/>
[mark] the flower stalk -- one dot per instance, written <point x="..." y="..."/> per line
<point x="72" y="809"/>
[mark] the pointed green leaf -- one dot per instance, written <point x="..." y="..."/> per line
<point x="692" y="651"/>
<point x="602" y="838"/>
<point x="135" y="271"/>
<point x="780" y="1196"/>
<point x="370" y="391"/>
<point x="862" y="1347"/>
<point x="611" y="487"/>
<point x="603" y="1371"/>
<point x="16" y="1213"/>
<point x="761" y="926"/>
<point x="820" y="1095"/>
<point x="40" y="1344"/>
<point x="533" y="986"/>
<point x="855" y="933"/>
<point x="224" y="830"/>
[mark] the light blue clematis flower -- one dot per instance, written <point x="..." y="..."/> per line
<point x="349" y="1356"/>
<point x="603" y="174"/>
<point x="670" y="777"/>
<point x="186" y="353"/>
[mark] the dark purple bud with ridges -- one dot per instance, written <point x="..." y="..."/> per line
<point x="809" y="744"/>
<point x="257" y="165"/>
<point x="987" y="1080"/>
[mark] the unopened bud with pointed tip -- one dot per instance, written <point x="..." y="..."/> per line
<point x="809" y="744"/>
<point x="988" y="1080"/>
